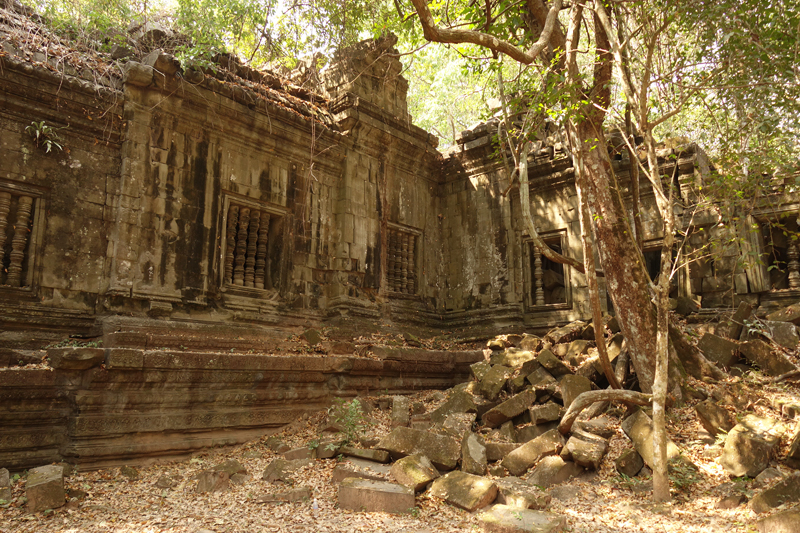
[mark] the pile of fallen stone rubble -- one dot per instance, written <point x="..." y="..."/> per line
<point x="495" y="443"/>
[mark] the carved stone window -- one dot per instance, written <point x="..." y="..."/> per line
<point x="401" y="270"/>
<point x="249" y="247"/>
<point x="548" y="282"/>
<point x="21" y="213"/>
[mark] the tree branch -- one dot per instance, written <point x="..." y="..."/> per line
<point x="585" y="399"/>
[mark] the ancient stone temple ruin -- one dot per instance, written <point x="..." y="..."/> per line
<point x="188" y="222"/>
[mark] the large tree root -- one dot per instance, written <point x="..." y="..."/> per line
<point x="586" y="399"/>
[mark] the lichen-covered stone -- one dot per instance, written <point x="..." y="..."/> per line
<point x="586" y="450"/>
<point x="510" y="408"/>
<point x="515" y="492"/>
<point x="467" y="491"/>
<point x="458" y="402"/>
<point x="473" y="454"/>
<point x="714" y="418"/>
<point x="572" y="387"/>
<point x="414" y="471"/>
<point x="494" y="381"/>
<point x="45" y="488"/>
<point x="750" y="445"/>
<point x="375" y="496"/>
<point x="786" y="491"/>
<point x="519" y="460"/>
<point x="506" y="519"/>
<point x="443" y="451"/>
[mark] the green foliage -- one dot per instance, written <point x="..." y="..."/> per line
<point x="75" y="343"/>
<point x="683" y="474"/>
<point x="350" y="417"/>
<point x="45" y="136"/>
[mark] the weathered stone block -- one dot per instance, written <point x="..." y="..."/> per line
<point x="375" y="496"/>
<point x="231" y="466"/>
<point x="553" y="364"/>
<point x="724" y="352"/>
<point x="400" y="411"/>
<point x="45" y="488"/>
<point x="639" y="428"/>
<point x="213" y="481"/>
<point x="549" y="412"/>
<point x="793" y="455"/>
<point x="600" y="425"/>
<point x="518" y="461"/>
<point x="414" y="471"/>
<point x="515" y="358"/>
<point x="443" y="451"/>
<point x="629" y="463"/>
<point x="750" y="445"/>
<point x="586" y="450"/>
<point x="137" y="74"/>
<point x="494" y="381"/>
<point x="541" y="378"/>
<point x="713" y="418"/>
<point x="473" y="454"/>
<point x="458" y="402"/>
<point x="577" y="350"/>
<point x="786" y="491"/>
<point x="505" y="519"/>
<point x="75" y="358"/>
<point x="464" y="490"/>
<point x="280" y="469"/>
<point x="742" y="313"/>
<point x="771" y="362"/>
<point x="479" y="369"/>
<point x="303" y="452"/>
<point x="346" y="470"/>
<point x="509" y="409"/>
<point x="378" y="456"/>
<point x="124" y="358"/>
<point x="782" y="522"/>
<point x="531" y="343"/>
<point x="515" y="492"/>
<point x="787" y="314"/>
<point x="567" y="333"/>
<point x="783" y="333"/>
<point x="572" y="387"/>
<point x="457" y="424"/>
<point x="530" y="432"/>
<point x="5" y="485"/>
<point x="495" y="451"/>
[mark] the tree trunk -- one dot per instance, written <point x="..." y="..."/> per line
<point x="626" y="278"/>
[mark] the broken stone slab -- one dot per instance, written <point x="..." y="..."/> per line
<point x="494" y="381"/>
<point x="530" y="432"/>
<point x="45" y="488"/>
<point x="553" y="364"/>
<point x="303" y="452"/>
<point x="300" y="494"/>
<point x="515" y="492"/>
<point x="162" y="62"/>
<point x="639" y="429"/>
<point x="311" y="336"/>
<point x="513" y="357"/>
<point x="479" y="369"/>
<point x="541" y="378"/>
<point x="572" y="387"/>
<point x="276" y="445"/>
<point x="400" y="411"/>
<point x="714" y="418"/>
<point x="375" y="496"/>
<point x="586" y="449"/>
<point x="345" y="471"/>
<point x="378" y="456"/>
<point x="467" y="491"/>
<point x="742" y="313"/>
<point x="578" y="350"/>
<point x="553" y="470"/>
<point x="75" y="358"/>
<point x="137" y="74"/>
<point x="768" y="476"/>
<point x="731" y="501"/>
<point x="629" y="463"/>
<point x="458" y="424"/>
<point x="231" y="466"/>
<point x="718" y="350"/>
<point x="443" y="451"/>
<point x="473" y="454"/>
<point x="129" y="472"/>
<point x="458" y="402"/>
<point x="508" y="431"/>
<point x="5" y="485"/>
<point x="495" y="451"/>
<point x="567" y="333"/>
<point x="212" y="481"/>
<point x="280" y="469"/>
<point x="750" y="445"/>
<point x="166" y="482"/>
<point x="787" y="314"/>
<point x="510" y="408"/>
<point x="782" y="522"/>
<point x="786" y="491"/>
<point x="505" y="519"/>
<point x="520" y="460"/>
<point x="327" y="448"/>
<point x="531" y="343"/>
<point x="549" y="412"/>
<point x="414" y="471"/>
<point x="771" y="362"/>
<point x="600" y="425"/>
<point x="793" y="455"/>
<point x="783" y="333"/>
<point x="685" y="306"/>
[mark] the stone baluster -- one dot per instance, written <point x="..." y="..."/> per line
<point x="794" y="267"/>
<point x="261" y="250"/>
<point x="537" y="275"/>
<point x="391" y="262"/>
<point x="412" y="270"/>
<point x="5" y="207"/>
<point x="230" y="242"/>
<point x="404" y="262"/>
<point x="241" y="247"/>
<point x="252" y="246"/>
<point x="19" y="241"/>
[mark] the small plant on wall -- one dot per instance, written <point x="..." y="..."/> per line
<point x="45" y="136"/>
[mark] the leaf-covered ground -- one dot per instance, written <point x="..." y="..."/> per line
<point x="597" y="502"/>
